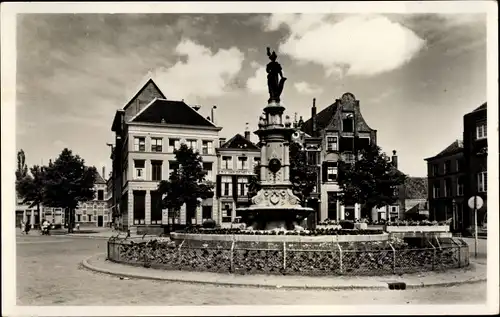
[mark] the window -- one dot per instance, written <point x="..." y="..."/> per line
<point x="139" y="206"/>
<point x="140" y="144"/>
<point x="227" y="162"/>
<point x="156" y="170"/>
<point x="192" y="144"/>
<point x="227" y="188"/>
<point x="331" y="173"/>
<point x="100" y="194"/>
<point x="435" y="169"/>
<point x="482" y="182"/>
<point x="435" y="190"/>
<point x="139" y="169"/>
<point x="394" y="209"/>
<point x="207" y="168"/>
<point x="460" y="165"/>
<point x="242" y="163"/>
<point x="346" y="144"/>
<point x="242" y="186"/>
<point x="227" y="212"/>
<point x="90" y="218"/>
<point x="447" y="166"/>
<point x="481" y="131"/>
<point x="348" y="124"/>
<point x="156" y="145"/>
<point x="311" y="157"/>
<point x="84" y="218"/>
<point x="332" y="143"/>
<point x="460" y="186"/>
<point x="173" y="144"/>
<point x="206" y="212"/>
<point x="156" y="209"/>
<point x="207" y="147"/>
<point x="78" y="218"/>
<point x="447" y="188"/>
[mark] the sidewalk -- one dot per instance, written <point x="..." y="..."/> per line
<point x="476" y="272"/>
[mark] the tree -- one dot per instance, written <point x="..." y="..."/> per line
<point x="302" y="175"/>
<point x="31" y="188"/>
<point x="68" y="182"/>
<point x="371" y="181"/>
<point x="186" y="184"/>
<point x="22" y="168"/>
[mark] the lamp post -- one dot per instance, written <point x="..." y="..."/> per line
<point x="113" y="203"/>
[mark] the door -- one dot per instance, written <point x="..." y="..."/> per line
<point x="99" y="221"/>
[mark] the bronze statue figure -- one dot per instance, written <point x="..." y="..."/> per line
<point x="275" y="79"/>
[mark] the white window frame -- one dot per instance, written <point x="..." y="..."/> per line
<point x="481" y="131"/>
<point x="242" y="183"/>
<point x="227" y="180"/>
<point x="161" y="170"/>
<point x="207" y="147"/>
<point x="139" y="170"/>
<point x="209" y="175"/>
<point x="193" y="144"/>
<point x="482" y="182"/>
<point x="241" y="163"/>
<point x="331" y="170"/>
<point x="333" y="145"/>
<point x="460" y="188"/>
<point x="227" y="164"/>
<point x="156" y="141"/>
<point x="138" y="143"/>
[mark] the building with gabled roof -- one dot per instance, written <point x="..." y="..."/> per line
<point x="339" y="131"/>
<point x="237" y="159"/>
<point x="147" y="130"/>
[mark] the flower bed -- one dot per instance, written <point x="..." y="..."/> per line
<point x="299" y="258"/>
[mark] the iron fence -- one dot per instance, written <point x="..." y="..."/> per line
<point x="284" y="258"/>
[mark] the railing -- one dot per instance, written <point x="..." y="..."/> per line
<point x="289" y="258"/>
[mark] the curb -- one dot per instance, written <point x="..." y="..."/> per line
<point x="374" y="286"/>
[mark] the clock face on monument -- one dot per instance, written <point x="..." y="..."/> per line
<point x="274" y="165"/>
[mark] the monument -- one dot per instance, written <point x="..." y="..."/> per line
<point x="275" y="206"/>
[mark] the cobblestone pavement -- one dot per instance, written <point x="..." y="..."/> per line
<point x="49" y="273"/>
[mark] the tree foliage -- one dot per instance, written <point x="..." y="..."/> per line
<point x="372" y="180"/>
<point x="22" y="168"/>
<point x="186" y="184"/>
<point x="67" y="182"/>
<point x="31" y="188"/>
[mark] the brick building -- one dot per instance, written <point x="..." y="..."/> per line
<point x="237" y="159"/>
<point x="339" y="131"/>
<point x="446" y="178"/>
<point x="476" y="156"/>
<point x="147" y="130"/>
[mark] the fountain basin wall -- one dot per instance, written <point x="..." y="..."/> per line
<point x="179" y="237"/>
<point x="290" y="258"/>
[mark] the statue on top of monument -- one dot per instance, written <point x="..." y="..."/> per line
<point x="275" y="79"/>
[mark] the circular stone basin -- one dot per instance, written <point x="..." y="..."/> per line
<point x="178" y="237"/>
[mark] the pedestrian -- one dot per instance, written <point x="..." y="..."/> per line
<point x="27" y="227"/>
<point x="22" y="226"/>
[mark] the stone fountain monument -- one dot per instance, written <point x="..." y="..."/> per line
<point x="275" y="206"/>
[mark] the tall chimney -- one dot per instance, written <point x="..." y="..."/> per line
<point x="103" y="172"/>
<point x="394" y="159"/>
<point x="213" y="113"/>
<point x="313" y="117"/>
<point x="247" y="132"/>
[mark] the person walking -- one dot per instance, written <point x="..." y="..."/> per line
<point x="22" y="225"/>
<point x="27" y="227"/>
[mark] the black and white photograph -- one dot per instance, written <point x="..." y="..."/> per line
<point x="250" y="158"/>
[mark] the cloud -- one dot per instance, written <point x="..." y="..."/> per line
<point x="258" y="82"/>
<point x="202" y="74"/>
<point x="308" y="89"/>
<point x="363" y="45"/>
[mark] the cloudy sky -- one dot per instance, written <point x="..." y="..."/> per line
<point x="415" y="75"/>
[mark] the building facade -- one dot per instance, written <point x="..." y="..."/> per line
<point x="147" y="131"/>
<point x="237" y="159"/>
<point x="95" y="213"/>
<point x="339" y="132"/>
<point x="446" y="177"/>
<point x="476" y="156"/>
